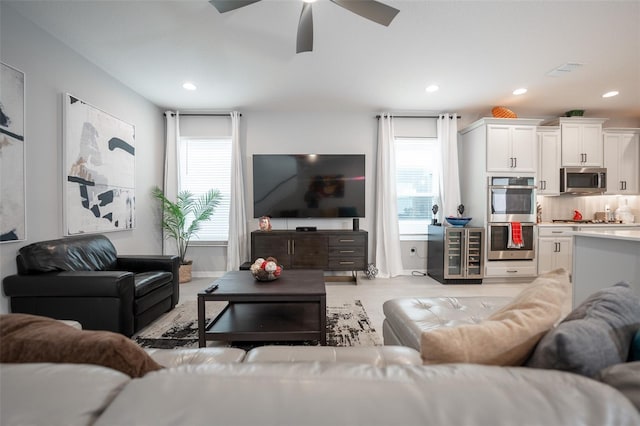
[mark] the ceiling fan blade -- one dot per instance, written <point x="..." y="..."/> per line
<point x="228" y="5"/>
<point x="370" y="9"/>
<point x="305" y="30"/>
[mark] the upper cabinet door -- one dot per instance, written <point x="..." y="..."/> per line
<point x="549" y="162"/>
<point x="523" y="148"/>
<point x="581" y="142"/>
<point x="622" y="160"/>
<point x="511" y="148"/>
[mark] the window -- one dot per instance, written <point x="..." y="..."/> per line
<point x="416" y="183"/>
<point x="206" y="164"/>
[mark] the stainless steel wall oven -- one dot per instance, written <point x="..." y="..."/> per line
<point x="512" y="199"/>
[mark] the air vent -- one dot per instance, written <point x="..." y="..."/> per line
<point x="564" y="69"/>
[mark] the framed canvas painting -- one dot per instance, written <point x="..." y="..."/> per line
<point x="99" y="168"/>
<point x="12" y="155"/>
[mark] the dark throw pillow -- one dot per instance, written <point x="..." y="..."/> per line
<point x="30" y="338"/>
<point x="634" y="354"/>
<point x="595" y="335"/>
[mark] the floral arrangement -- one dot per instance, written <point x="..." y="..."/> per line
<point x="266" y="269"/>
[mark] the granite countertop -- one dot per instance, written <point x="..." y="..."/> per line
<point x="615" y="234"/>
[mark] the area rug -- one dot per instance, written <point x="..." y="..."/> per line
<point x="347" y="325"/>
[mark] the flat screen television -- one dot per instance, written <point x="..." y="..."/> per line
<point x="309" y="185"/>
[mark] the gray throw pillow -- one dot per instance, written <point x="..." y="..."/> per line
<point x="595" y="335"/>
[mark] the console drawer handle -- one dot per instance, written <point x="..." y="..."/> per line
<point x="347" y="263"/>
<point x="347" y="241"/>
<point x="347" y="251"/>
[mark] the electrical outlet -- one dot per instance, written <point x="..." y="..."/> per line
<point x="413" y="251"/>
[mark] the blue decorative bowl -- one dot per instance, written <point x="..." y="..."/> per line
<point x="458" y="222"/>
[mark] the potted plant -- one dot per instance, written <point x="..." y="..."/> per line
<point x="181" y="220"/>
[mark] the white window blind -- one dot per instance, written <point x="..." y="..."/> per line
<point x="206" y="164"/>
<point x="416" y="183"/>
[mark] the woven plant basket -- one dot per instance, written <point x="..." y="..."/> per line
<point x="185" y="273"/>
<point x="502" y="112"/>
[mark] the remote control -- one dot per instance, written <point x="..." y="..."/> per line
<point x="211" y="288"/>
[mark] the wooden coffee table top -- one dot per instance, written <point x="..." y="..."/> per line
<point x="291" y="282"/>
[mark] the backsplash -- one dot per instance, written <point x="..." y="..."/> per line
<point x="562" y="207"/>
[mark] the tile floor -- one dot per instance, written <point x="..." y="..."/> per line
<point x="373" y="293"/>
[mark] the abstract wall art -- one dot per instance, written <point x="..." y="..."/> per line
<point x="99" y="170"/>
<point x="12" y="155"/>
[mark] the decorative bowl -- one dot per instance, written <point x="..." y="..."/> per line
<point x="266" y="269"/>
<point x="458" y="222"/>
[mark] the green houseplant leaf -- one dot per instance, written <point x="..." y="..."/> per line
<point x="182" y="219"/>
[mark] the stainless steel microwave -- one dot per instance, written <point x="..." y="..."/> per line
<point x="583" y="180"/>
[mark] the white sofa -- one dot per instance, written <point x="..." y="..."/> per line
<point x="287" y="385"/>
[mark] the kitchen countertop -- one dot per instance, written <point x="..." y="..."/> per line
<point x="615" y="234"/>
<point x="588" y="224"/>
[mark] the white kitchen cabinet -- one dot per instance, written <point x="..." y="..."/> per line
<point x="555" y="249"/>
<point x="622" y="160"/>
<point x="511" y="148"/>
<point x="549" y="160"/>
<point x="581" y="141"/>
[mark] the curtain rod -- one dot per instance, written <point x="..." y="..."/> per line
<point x="203" y="114"/>
<point x="415" y="116"/>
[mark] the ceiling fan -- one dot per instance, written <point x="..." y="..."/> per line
<point x="369" y="9"/>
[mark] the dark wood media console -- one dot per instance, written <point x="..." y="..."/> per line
<point x="329" y="250"/>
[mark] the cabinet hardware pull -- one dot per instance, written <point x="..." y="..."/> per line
<point x="347" y="241"/>
<point x="512" y="271"/>
<point x="515" y="161"/>
<point x="347" y="251"/>
<point x="346" y="263"/>
<point x="293" y="247"/>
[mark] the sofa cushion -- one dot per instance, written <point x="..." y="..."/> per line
<point x="146" y="282"/>
<point x="30" y="338"/>
<point x="626" y="378"/>
<point x="408" y="317"/>
<point x="77" y="253"/>
<point x="56" y="394"/>
<point x="373" y="355"/>
<point x="595" y="335"/>
<point x="508" y="335"/>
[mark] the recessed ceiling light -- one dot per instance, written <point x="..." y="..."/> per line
<point x="520" y="91"/>
<point x="432" y="88"/>
<point x="189" y="86"/>
<point x="610" y="94"/>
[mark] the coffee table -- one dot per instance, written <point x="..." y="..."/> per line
<point x="291" y="308"/>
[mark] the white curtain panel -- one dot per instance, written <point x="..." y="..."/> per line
<point x="450" y="179"/>
<point x="171" y="161"/>
<point x="237" y="248"/>
<point x="387" y="236"/>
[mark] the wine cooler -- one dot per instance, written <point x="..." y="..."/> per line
<point x="454" y="254"/>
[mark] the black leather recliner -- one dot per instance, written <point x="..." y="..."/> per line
<point x="82" y="278"/>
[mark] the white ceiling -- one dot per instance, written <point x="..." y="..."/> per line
<point x="478" y="52"/>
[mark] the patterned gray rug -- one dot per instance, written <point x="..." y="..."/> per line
<point x="347" y="325"/>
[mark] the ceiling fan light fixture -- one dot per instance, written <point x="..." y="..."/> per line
<point x="611" y="94"/>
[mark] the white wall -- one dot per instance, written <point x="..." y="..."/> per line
<point x="51" y="69"/>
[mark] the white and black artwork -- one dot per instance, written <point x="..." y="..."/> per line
<point x="99" y="167"/>
<point x="12" y="155"/>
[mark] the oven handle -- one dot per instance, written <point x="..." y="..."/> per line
<point x="512" y="187"/>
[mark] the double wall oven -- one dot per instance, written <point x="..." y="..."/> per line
<point x="512" y="204"/>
